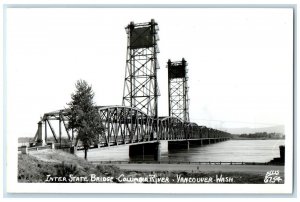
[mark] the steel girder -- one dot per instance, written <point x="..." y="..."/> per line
<point x="122" y="124"/>
<point x="171" y="128"/>
<point x="62" y="118"/>
<point x="125" y="125"/>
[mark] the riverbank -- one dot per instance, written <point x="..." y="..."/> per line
<point x="59" y="166"/>
<point x="37" y="166"/>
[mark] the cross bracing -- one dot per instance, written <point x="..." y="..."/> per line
<point x="178" y="90"/>
<point x="140" y="85"/>
<point x="125" y="125"/>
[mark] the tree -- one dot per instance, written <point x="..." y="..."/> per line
<point x="84" y="118"/>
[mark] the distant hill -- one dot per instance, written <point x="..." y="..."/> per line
<point x="238" y="131"/>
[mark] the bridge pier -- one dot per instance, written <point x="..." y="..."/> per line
<point x="196" y="143"/>
<point x="186" y="144"/>
<point x="40" y="141"/>
<point x="73" y="149"/>
<point x="24" y="149"/>
<point x="179" y="144"/>
<point x="207" y="141"/>
<point x="145" y="150"/>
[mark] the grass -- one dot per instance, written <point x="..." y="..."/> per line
<point x="36" y="167"/>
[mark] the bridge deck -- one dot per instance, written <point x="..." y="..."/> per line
<point x="113" y="144"/>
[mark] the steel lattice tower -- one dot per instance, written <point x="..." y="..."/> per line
<point x="140" y="86"/>
<point x="178" y="90"/>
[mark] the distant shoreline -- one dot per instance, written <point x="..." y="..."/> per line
<point x="248" y="138"/>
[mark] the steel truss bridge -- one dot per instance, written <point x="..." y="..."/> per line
<point x="126" y="125"/>
<point x="137" y="120"/>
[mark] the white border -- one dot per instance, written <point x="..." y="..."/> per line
<point x="14" y="187"/>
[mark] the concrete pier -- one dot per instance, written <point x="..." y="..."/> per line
<point x="206" y="141"/>
<point x="186" y="144"/>
<point x="24" y="149"/>
<point x="73" y="149"/>
<point x="145" y="149"/>
<point x="178" y="144"/>
<point x="40" y="141"/>
<point x="51" y="144"/>
<point x="196" y="143"/>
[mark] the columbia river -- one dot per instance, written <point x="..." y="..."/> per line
<point x="232" y="150"/>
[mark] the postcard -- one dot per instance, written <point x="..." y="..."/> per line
<point x="160" y="99"/>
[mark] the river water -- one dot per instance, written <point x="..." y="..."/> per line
<point x="232" y="150"/>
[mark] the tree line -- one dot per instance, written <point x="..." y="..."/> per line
<point x="263" y="135"/>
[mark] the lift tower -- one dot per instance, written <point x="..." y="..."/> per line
<point x="178" y="90"/>
<point x="140" y="86"/>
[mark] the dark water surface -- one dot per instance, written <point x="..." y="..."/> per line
<point x="232" y="150"/>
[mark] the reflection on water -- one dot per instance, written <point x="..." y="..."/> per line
<point x="233" y="150"/>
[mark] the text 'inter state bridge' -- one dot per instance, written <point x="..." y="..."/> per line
<point x="136" y="121"/>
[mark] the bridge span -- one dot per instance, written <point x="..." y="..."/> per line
<point x="127" y="125"/>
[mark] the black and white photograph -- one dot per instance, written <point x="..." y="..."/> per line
<point x="104" y="99"/>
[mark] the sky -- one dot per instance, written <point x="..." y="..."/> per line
<point x="240" y="61"/>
